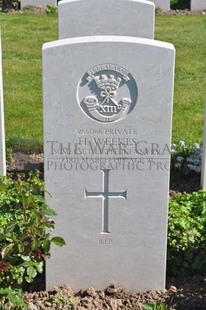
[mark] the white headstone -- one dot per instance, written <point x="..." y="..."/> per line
<point x="197" y="5"/>
<point x="38" y="3"/>
<point x="107" y="128"/>
<point x="164" y="5"/>
<point x="203" y="168"/>
<point x="106" y="17"/>
<point x="2" y="126"/>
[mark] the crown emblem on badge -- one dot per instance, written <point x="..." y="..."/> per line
<point x="103" y="81"/>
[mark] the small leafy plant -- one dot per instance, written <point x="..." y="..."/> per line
<point x="157" y="306"/>
<point x="9" y="154"/>
<point x="50" y="9"/>
<point x="11" y="299"/>
<point x="186" y="234"/>
<point x="62" y="300"/>
<point x="24" y="234"/>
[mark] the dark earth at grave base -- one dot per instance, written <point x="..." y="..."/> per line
<point x="183" y="293"/>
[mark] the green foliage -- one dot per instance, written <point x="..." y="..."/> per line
<point x="9" y="154"/>
<point x="51" y="9"/>
<point x="62" y="300"/>
<point x="180" y="4"/>
<point x="157" y="306"/>
<point x="25" y="239"/>
<point x="11" y="299"/>
<point x="6" y="5"/>
<point x="186" y="234"/>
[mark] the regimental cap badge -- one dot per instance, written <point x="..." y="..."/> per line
<point x="112" y="93"/>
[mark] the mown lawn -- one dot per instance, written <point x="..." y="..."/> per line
<point x="22" y="39"/>
<point x="188" y="34"/>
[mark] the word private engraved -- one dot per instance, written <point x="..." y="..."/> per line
<point x="105" y="195"/>
<point x="107" y="93"/>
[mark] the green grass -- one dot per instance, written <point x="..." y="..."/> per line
<point x="22" y="39"/>
<point x="188" y="34"/>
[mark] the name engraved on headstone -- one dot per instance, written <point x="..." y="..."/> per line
<point x="105" y="195"/>
<point x="127" y="158"/>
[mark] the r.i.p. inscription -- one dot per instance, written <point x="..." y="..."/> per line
<point x="113" y="218"/>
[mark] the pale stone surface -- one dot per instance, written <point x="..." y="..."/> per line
<point x="203" y="168"/>
<point x="38" y="3"/>
<point x="107" y="129"/>
<point x="196" y="5"/>
<point x="2" y="126"/>
<point x="106" y="17"/>
<point x="164" y="5"/>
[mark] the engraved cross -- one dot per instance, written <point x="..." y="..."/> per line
<point x="105" y="195"/>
